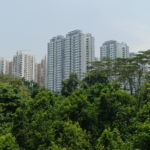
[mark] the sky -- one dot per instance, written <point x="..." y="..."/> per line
<point x="30" y="24"/>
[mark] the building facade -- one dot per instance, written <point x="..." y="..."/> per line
<point x="90" y="48"/>
<point x="41" y="72"/>
<point x="24" y="65"/>
<point x="55" y="63"/>
<point x="113" y="49"/>
<point x="75" y="54"/>
<point x="4" y="66"/>
<point x="67" y="55"/>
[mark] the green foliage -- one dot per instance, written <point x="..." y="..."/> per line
<point x="144" y="113"/>
<point x="56" y="147"/>
<point x="109" y="140"/>
<point x="97" y="113"/>
<point x="34" y="120"/>
<point x="116" y="109"/>
<point x="72" y="137"/>
<point x="78" y="108"/>
<point x="128" y="72"/>
<point x="143" y="94"/>
<point x="33" y="87"/>
<point x="69" y="85"/>
<point x="95" y="76"/>
<point x="11" y="98"/>
<point x="142" y="136"/>
<point x="8" y="142"/>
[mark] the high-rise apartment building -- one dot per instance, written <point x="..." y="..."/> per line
<point x="44" y="71"/>
<point x="75" y="54"/>
<point x="55" y="63"/>
<point x="90" y="47"/>
<point x="67" y="55"/>
<point x="41" y="72"/>
<point x="79" y="51"/>
<point x="24" y="65"/>
<point x="113" y="49"/>
<point x="38" y="73"/>
<point x="10" y="72"/>
<point x="4" y="66"/>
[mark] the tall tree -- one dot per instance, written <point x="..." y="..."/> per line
<point x="69" y="85"/>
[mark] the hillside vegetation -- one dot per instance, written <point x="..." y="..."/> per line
<point x="97" y="113"/>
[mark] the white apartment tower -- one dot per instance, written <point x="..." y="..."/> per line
<point x="24" y="65"/>
<point x="67" y="55"/>
<point x="113" y="49"/>
<point x="90" y="48"/>
<point x="55" y="63"/>
<point x="4" y="66"/>
<point x="75" y="54"/>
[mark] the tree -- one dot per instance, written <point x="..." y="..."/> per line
<point x="142" y="136"/>
<point x="130" y="73"/>
<point x="144" y="113"/>
<point x="71" y="137"/>
<point x="116" y="110"/>
<point x="143" y="94"/>
<point x="33" y="121"/>
<point x="10" y="100"/>
<point x="8" y="142"/>
<point x="109" y="140"/>
<point x="125" y="72"/>
<point x="96" y="116"/>
<point x="78" y="108"/>
<point x="95" y="76"/>
<point x="69" y="85"/>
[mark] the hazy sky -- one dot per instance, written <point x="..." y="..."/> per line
<point x="29" y="24"/>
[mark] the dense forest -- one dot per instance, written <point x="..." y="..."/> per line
<point x="108" y="110"/>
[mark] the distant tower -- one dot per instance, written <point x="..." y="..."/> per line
<point x="75" y="54"/>
<point x="67" y="55"/>
<point x="79" y="51"/>
<point x="113" y="49"/>
<point x="90" y="47"/>
<point x="4" y="66"/>
<point x="24" y="65"/>
<point x="55" y="63"/>
<point x="41" y="72"/>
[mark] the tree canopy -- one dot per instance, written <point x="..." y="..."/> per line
<point x="109" y="109"/>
